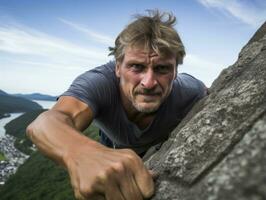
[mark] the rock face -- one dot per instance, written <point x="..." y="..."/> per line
<point x="219" y="150"/>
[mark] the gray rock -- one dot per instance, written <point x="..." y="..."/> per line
<point x="219" y="150"/>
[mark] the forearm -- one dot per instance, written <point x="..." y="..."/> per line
<point x="94" y="169"/>
<point x="55" y="135"/>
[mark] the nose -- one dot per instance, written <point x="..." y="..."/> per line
<point x="149" y="80"/>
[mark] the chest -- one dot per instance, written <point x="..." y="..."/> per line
<point x="144" y="122"/>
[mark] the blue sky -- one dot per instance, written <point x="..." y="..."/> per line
<point x="44" y="45"/>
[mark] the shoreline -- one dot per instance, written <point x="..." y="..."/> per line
<point x="14" y="158"/>
<point x="4" y="115"/>
<point x="6" y="120"/>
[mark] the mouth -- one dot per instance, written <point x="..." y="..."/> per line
<point x="150" y="97"/>
<point x="149" y="94"/>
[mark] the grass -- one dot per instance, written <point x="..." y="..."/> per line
<point x="2" y="156"/>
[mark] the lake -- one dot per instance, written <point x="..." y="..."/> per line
<point x="4" y="121"/>
<point x="45" y="104"/>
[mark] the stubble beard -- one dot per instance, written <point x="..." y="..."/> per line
<point x="151" y="108"/>
<point x="144" y="106"/>
<point x="145" y="109"/>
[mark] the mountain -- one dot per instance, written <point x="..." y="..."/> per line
<point x="37" y="96"/>
<point x="3" y="93"/>
<point x="12" y="104"/>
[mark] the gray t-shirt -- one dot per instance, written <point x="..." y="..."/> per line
<point x="99" y="88"/>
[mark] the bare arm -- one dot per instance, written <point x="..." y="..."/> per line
<point x="94" y="170"/>
<point x="50" y="129"/>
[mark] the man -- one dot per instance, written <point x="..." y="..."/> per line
<point x="136" y="101"/>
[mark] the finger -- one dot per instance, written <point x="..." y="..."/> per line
<point x="142" y="177"/>
<point x="75" y="182"/>
<point x="82" y="196"/>
<point x="78" y="196"/>
<point x="129" y="188"/>
<point x="113" y="192"/>
<point x="97" y="197"/>
<point x="154" y="174"/>
<point x="145" y="182"/>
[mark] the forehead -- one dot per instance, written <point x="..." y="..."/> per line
<point x="138" y="51"/>
<point x="145" y="55"/>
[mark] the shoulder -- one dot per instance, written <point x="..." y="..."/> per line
<point x="96" y="78"/>
<point x="187" y="90"/>
<point x="99" y="79"/>
<point x="107" y="70"/>
<point x="95" y="87"/>
<point x="189" y="86"/>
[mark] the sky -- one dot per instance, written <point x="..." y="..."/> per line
<point x="45" y="45"/>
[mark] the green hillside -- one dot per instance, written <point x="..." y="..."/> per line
<point x="17" y="128"/>
<point x="11" y="104"/>
<point x="37" y="96"/>
<point x="38" y="178"/>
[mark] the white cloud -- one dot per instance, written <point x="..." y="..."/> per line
<point x="202" y="68"/>
<point x="92" y="35"/>
<point x="42" y="62"/>
<point x="22" y="40"/>
<point x="249" y="12"/>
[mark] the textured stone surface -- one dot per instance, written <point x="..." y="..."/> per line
<point x="219" y="149"/>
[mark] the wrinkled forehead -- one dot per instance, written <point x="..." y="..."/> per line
<point x="144" y="52"/>
<point x="140" y="51"/>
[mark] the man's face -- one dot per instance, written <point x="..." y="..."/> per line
<point x="146" y="79"/>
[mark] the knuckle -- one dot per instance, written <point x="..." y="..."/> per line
<point x="101" y="178"/>
<point x="78" y="196"/>
<point x="130" y="154"/>
<point x="86" y="191"/>
<point x="119" y="167"/>
<point x="133" y="158"/>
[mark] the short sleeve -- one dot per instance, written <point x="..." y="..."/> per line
<point x="191" y="86"/>
<point x="93" y="88"/>
<point x="191" y="90"/>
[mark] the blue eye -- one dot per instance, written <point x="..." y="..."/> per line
<point x="137" y="67"/>
<point x="163" y="69"/>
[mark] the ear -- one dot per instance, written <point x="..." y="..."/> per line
<point x="117" y="69"/>
<point x="176" y="71"/>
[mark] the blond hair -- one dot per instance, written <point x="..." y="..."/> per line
<point x="154" y="32"/>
